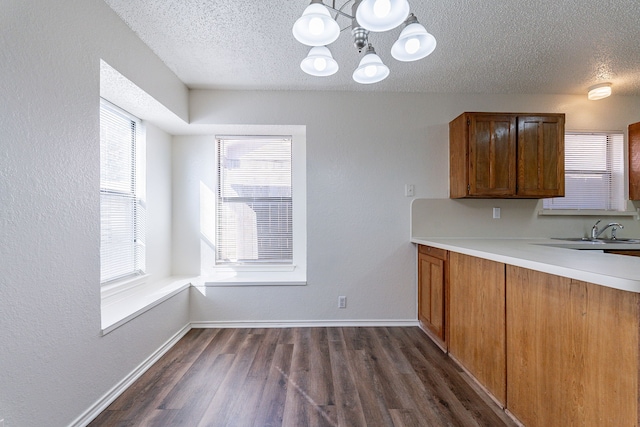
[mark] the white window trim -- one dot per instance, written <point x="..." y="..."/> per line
<point x="630" y="211"/>
<point x="141" y="178"/>
<point x="294" y="274"/>
<point x="125" y="301"/>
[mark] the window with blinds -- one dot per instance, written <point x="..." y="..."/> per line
<point x="594" y="173"/>
<point x="254" y="201"/>
<point x="122" y="213"/>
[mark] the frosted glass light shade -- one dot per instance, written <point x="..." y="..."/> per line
<point x="599" y="91"/>
<point x="413" y="43"/>
<point x="316" y="27"/>
<point x="371" y="69"/>
<point x="371" y="14"/>
<point x="319" y="62"/>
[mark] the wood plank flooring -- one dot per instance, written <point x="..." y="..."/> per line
<point x="297" y="377"/>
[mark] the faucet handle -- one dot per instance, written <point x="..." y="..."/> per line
<point x="614" y="227"/>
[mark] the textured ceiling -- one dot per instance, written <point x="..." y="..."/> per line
<point x="484" y="46"/>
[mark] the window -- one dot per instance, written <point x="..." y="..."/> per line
<point x="122" y="207"/>
<point x="594" y="173"/>
<point x="254" y="206"/>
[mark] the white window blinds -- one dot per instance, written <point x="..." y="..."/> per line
<point x="594" y="172"/>
<point x="254" y="201"/>
<point x="122" y="214"/>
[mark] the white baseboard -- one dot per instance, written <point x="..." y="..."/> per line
<point x="102" y="403"/>
<point x="303" y="323"/>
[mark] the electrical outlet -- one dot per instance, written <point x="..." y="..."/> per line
<point x="496" y="213"/>
<point x="342" y="302"/>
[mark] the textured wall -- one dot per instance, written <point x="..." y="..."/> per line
<point x="54" y="364"/>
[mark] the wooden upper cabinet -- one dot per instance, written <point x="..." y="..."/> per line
<point x="506" y="155"/>
<point x="634" y="161"/>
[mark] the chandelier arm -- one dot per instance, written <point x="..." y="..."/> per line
<point x="339" y="11"/>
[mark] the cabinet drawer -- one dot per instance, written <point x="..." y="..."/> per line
<point x="434" y="252"/>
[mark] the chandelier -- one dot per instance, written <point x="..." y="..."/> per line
<point x="317" y="28"/>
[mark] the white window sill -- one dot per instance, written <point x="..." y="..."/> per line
<point x="587" y="212"/>
<point x="253" y="275"/>
<point x="242" y="268"/>
<point x="127" y="300"/>
<point x="246" y="282"/>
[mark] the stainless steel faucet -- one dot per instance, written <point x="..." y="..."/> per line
<point x="596" y="232"/>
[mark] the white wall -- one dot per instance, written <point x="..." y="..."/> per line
<point x="54" y="363"/>
<point x="159" y="220"/>
<point x="362" y="148"/>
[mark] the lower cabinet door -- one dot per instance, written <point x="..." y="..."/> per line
<point x="431" y="293"/>
<point x="477" y="319"/>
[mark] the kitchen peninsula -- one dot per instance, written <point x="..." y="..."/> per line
<point x="551" y="332"/>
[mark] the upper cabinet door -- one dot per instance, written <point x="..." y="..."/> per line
<point x="541" y="156"/>
<point x="492" y="155"/>
<point x="634" y="161"/>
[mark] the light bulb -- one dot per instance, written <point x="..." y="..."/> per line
<point x="412" y="45"/>
<point x="370" y="70"/>
<point x="381" y="8"/>
<point x="316" y="26"/>
<point x="320" y="64"/>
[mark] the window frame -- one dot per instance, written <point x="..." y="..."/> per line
<point x="625" y="209"/>
<point x="261" y="275"/>
<point x="220" y="198"/>
<point x="137" y="194"/>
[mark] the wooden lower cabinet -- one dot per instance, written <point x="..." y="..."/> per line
<point x="572" y="351"/>
<point x="477" y="320"/>
<point x="432" y="278"/>
<point x="552" y="350"/>
<point x="621" y="252"/>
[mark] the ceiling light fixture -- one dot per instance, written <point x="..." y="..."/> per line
<point x="319" y="62"/>
<point x="371" y="68"/>
<point x="599" y="91"/>
<point x="316" y="27"/>
<point x="382" y="15"/>
<point x="414" y="42"/>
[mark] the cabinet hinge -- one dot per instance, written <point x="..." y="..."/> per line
<point x="468" y="122"/>
<point x="468" y="188"/>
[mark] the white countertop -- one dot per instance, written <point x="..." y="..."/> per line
<point x="553" y="257"/>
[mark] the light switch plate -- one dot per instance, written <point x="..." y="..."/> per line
<point x="409" y="190"/>
<point x="496" y="213"/>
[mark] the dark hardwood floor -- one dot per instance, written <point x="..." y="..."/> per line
<point x="331" y="377"/>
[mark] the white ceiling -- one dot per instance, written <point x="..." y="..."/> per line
<point x="484" y="46"/>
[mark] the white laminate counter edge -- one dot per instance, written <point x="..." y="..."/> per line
<point x="550" y="256"/>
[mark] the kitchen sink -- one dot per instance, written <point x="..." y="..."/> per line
<point x="598" y="241"/>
